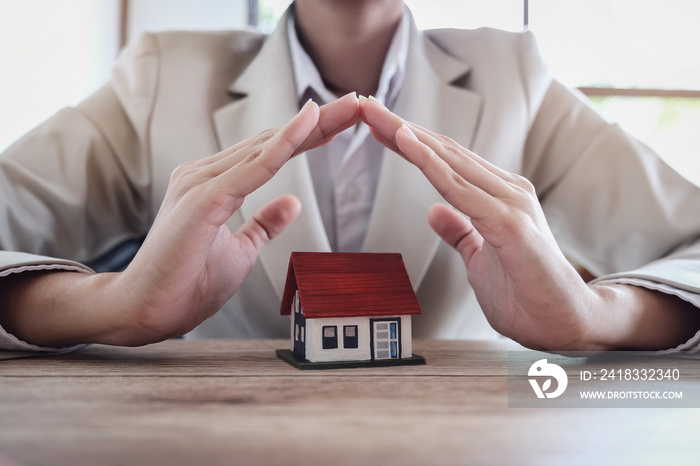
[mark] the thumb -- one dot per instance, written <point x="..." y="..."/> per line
<point x="455" y="230"/>
<point x="271" y="220"/>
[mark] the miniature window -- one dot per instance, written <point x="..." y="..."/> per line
<point x="296" y="332"/>
<point x="330" y="337"/>
<point x="302" y="334"/>
<point x="350" y="336"/>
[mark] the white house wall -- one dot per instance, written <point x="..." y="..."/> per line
<point x="292" y="330"/>
<point x="314" y="339"/>
<point x="406" y="337"/>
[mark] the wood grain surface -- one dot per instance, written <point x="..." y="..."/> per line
<point x="214" y="402"/>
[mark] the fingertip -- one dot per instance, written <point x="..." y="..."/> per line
<point x="350" y="95"/>
<point x="455" y="229"/>
<point x="275" y="216"/>
<point x="310" y="104"/>
<point x="375" y="114"/>
<point x="371" y="101"/>
<point x="293" y="204"/>
<point x="405" y="131"/>
<point x="409" y="144"/>
<point x="436" y="209"/>
<point x="288" y="207"/>
<point x="362" y="100"/>
<point x="347" y="106"/>
<point x="437" y="214"/>
<point x="376" y="101"/>
<point x="369" y="111"/>
<point x="309" y="112"/>
<point x="347" y="100"/>
<point x="298" y="128"/>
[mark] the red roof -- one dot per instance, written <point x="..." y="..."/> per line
<point x="349" y="284"/>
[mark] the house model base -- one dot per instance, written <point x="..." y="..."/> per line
<point x="305" y="364"/>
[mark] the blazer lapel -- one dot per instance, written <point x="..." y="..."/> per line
<point x="428" y="98"/>
<point x="265" y="97"/>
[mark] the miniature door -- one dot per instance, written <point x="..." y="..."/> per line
<point x="386" y="338"/>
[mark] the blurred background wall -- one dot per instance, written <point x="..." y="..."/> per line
<point x="54" y="53"/>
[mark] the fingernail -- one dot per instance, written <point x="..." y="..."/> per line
<point x="362" y="98"/>
<point x="308" y="103"/>
<point x="374" y="99"/>
<point x="353" y="94"/>
<point x="408" y="131"/>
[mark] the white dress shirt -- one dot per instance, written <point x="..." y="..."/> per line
<point x="346" y="171"/>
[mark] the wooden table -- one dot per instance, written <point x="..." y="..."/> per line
<point x="210" y="402"/>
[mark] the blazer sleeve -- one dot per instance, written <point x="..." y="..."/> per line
<point x="80" y="183"/>
<point x="613" y="204"/>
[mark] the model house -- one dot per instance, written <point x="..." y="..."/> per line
<point x="350" y="307"/>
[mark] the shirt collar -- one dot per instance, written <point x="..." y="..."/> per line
<point x="306" y="75"/>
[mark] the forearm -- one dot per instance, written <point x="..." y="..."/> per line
<point x="57" y="309"/>
<point x="632" y="317"/>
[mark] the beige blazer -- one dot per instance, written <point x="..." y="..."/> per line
<point x="96" y="174"/>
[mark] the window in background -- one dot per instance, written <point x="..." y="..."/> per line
<point x="56" y="53"/>
<point x="503" y="14"/>
<point x="468" y="14"/>
<point x="160" y="15"/>
<point x="636" y="59"/>
<point x="53" y="54"/>
<point x="270" y="12"/>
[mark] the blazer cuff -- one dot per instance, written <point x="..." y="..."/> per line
<point x="12" y="347"/>
<point x="18" y="262"/>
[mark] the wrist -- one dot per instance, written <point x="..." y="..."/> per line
<point x="57" y="309"/>
<point x="627" y="317"/>
<point x="605" y="320"/>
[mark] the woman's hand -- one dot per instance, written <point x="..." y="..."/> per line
<point x="190" y="263"/>
<point x="524" y="284"/>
